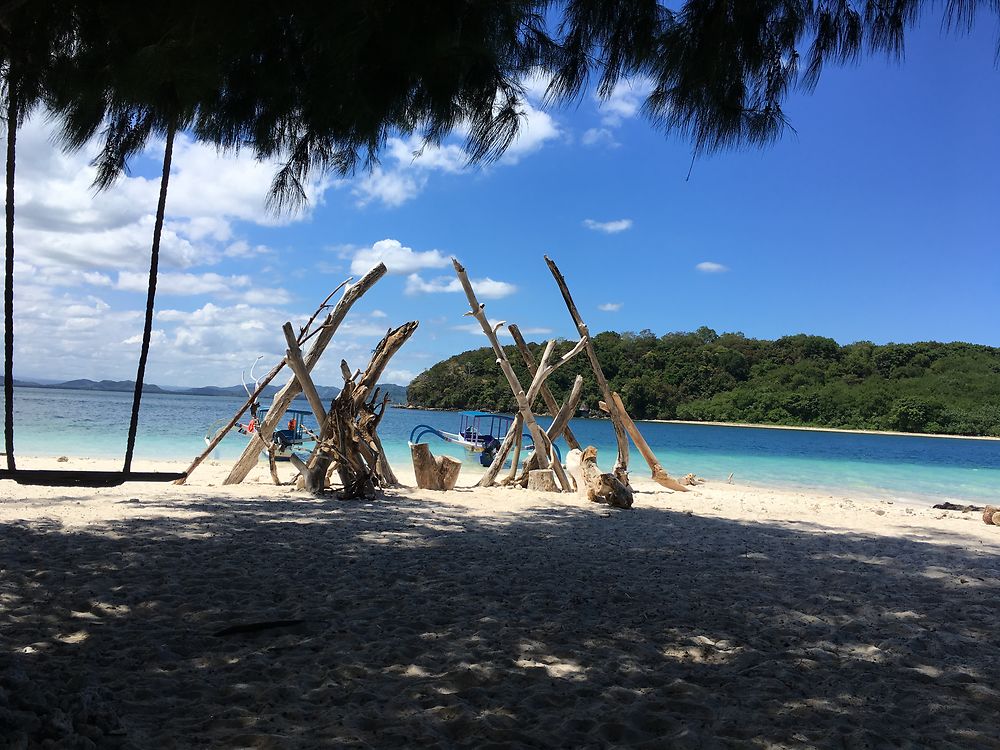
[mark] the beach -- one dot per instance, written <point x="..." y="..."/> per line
<point x="259" y="616"/>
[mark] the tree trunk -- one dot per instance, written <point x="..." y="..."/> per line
<point x="147" y="330"/>
<point x="434" y="472"/>
<point x="8" y="279"/>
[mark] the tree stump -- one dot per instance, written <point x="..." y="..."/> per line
<point x="597" y="486"/>
<point x="434" y="472"/>
<point x="542" y="480"/>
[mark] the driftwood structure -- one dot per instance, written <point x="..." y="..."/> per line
<point x="543" y="454"/>
<point x="541" y="469"/>
<point x="347" y="441"/>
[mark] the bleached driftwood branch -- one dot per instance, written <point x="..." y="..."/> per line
<point x="660" y="475"/>
<point x="621" y="464"/>
<point x="477" y="312"/>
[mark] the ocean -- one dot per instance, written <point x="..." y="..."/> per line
<point x="54" y="422"/>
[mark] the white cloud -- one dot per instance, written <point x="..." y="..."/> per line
<point x="476" y="329"/>
<point x="182" y="283"/>
<point x="397" y="258"/>
<point x="536" y="129"/>
<point x="599" y="136"/>
<point x="486" y="288"/>
<point x="710" y="267"/>
<point x="608" y="227"/>
<point x="400" y="376"/>
<point x="610" y="307"/>
<point x="624" y="101"/>
<point x="242" y="249"/>
<point x="535" y="85"/>
<point x="378" y="314"/>
<point x="415" y="153"/>
<point x="64" y="224"/>
<point x="392" y="187"/>
<point x="408" y="162"/>
<point x="156" y="337"/>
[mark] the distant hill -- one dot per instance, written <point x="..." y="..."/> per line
<point x="397" y="393"/>
<point x="796" y="380"/>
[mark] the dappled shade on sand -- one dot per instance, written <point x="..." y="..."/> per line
<point x="494" y="618"/>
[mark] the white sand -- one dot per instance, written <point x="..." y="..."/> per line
<point x="724" y="617"/>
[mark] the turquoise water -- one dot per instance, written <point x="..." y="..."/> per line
<point x="50" y="422"/>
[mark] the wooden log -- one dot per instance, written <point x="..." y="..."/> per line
<point x="293" y="355"/>
<point x="424" y="468"/>
<point x="477" y="312"/>
<point x="283" y="399"/>
<point x="621" y="464"/>
<point x="660" y="475"/>
<point x="434" y="472"/>
<point x="448" y="470"/>
<point x="546" y="393"/>
<point x="542" y="480"/>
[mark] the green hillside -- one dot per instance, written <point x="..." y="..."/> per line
<point x="796" y="380"/>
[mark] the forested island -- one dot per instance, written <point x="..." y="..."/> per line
<point x="798" y="380"/>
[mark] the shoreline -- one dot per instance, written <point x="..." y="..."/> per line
<point x="211" y="472"/>
<point x="803" y="428"/>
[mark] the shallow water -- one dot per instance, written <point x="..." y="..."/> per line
<point x="53" y="422"/>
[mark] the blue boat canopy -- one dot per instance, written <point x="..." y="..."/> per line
<point x="478" y="414"/>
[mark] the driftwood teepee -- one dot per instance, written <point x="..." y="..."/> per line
<point x="607" y="486"/>
<point x="347" y="442"/>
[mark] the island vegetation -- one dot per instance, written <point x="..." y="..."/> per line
<point x="798" y="380"/>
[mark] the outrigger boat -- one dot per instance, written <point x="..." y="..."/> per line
<point x="285" y="441"/>
<point x="479" y="432"/>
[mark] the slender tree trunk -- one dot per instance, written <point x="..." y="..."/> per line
<point x="147" y="330"/>
<point x="8" y="285"/>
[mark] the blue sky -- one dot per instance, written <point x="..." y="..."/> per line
<point x="877" y="219"/>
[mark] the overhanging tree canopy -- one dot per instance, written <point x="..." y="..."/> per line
<point x="322" y="86"/>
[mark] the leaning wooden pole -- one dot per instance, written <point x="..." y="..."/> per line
<point x="660" y="475"/>
<point x="537" y="436"/>
<point x="621" y="465"/>
<point x="283" y="399"/>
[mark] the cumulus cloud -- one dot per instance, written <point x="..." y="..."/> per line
<point x="185" y="284"/>
<point x="397" y="258"/>
<point x="608" y="227"/>
<point x="407" y="163"/>
<point x="63" y="223"/>
<point x="477" y="330"/>
<point x="711" y="267"/>
<point x="610" y="307"/>
<point x="486" y="288"/>
<point x="624" y="101"/>
<point x="599" y="137"/>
